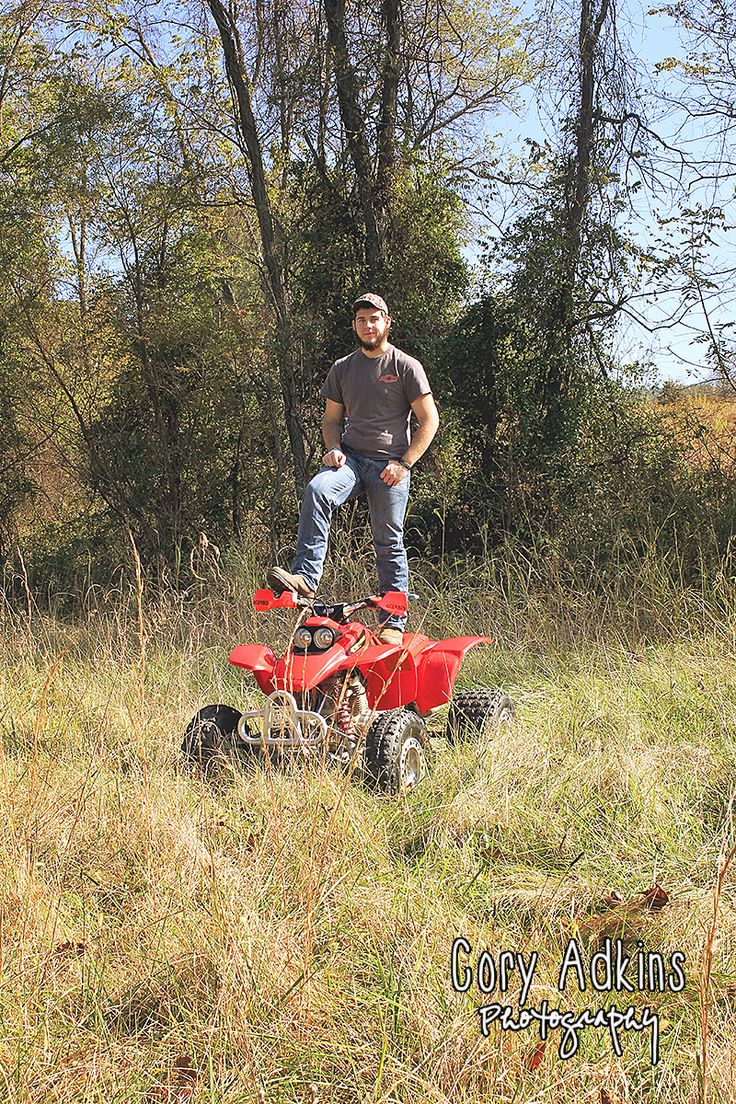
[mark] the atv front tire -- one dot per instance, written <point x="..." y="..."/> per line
<point x="211" y="738"/>
<point x="476" y="715"/>
<point x="395" y="751"/>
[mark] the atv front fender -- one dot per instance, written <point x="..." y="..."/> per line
<point x="437" y="668"/>
<point x="259" y="659"/>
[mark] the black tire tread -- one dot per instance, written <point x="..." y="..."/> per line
<point x="383" y="746"/>
<point x="211" y="738"/>
<point x="473" y="710"/>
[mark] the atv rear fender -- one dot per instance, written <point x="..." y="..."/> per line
<point x="421" y="672"/>
<point x="437" y="668"/>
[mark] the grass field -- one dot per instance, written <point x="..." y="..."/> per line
<point x="703" y="423"/>
<point x="286" y="936"/>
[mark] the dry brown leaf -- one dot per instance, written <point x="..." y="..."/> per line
<point x="185" y="1071"/>
<point x="610" y="899"/>
<point x="180" y="1086"/>
<point x="70" y="949"/>
<point x="533" y="1057"/>
<point x="655" y="899"/>
<point x="623" y="918"/>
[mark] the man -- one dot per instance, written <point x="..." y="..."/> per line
<point x="370" y="396"/>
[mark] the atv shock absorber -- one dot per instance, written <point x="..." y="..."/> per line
<point x="352" y="710"/>
<point x="347" y="705"/>
<point x="359" y="708"/>
<point x="344" y="716"/>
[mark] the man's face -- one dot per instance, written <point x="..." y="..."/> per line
<point x="371" y="327"/>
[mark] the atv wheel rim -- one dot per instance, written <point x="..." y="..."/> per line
<point x="411" y="763"/>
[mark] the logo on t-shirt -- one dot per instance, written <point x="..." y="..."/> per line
<point x="388" y="379"/>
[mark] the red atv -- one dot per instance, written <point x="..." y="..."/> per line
<point x="338" y="694"/>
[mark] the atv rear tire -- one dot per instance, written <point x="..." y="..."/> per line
<point x="211" y="738"/>
<point x="395" y="751"/>
<point x="476" y="715"/>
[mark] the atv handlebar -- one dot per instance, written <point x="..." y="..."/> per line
<point x="393" y="601"/>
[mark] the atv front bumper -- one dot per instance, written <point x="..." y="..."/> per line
<point x="283" y="725"/>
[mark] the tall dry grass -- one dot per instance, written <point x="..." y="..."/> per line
<point x="285" y="937"/>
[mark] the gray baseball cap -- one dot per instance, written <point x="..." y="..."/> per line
<point x="370" y="300"/>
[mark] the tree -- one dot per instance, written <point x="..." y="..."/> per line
<point x="190" y="242"/>
<point x="386" y="86"/>
<point x="531" y="361"/>
<point x="128" y="340"/>
<point x="271" y="240"/>
<point x="699" y="103"/>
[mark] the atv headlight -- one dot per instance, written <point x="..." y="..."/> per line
<point x="324" y="637"/>
<point x="302" y="637"/>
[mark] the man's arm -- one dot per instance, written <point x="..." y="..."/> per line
<point x="426" y="414"/>
<point x="332" y="420"/>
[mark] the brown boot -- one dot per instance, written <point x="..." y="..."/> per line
<point x="391" y="636"/>
<point x="281" y="580"/>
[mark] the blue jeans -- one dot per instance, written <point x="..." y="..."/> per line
<point x="387" y="505"/>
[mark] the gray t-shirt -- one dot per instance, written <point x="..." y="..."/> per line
<point x="377" y="393"/>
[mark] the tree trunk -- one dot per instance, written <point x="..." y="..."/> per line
<point x="274" y="281"/>
<point x="355" y="133"/>
<point x="557" y="379"/>
<point x="389" y="101"/>
<point x="579" y="181"/>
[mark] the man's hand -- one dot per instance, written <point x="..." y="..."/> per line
<point x="335" y="458"/>
<point x="393" y="473"/>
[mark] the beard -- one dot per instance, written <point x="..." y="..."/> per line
<point x="373" y="342"/>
